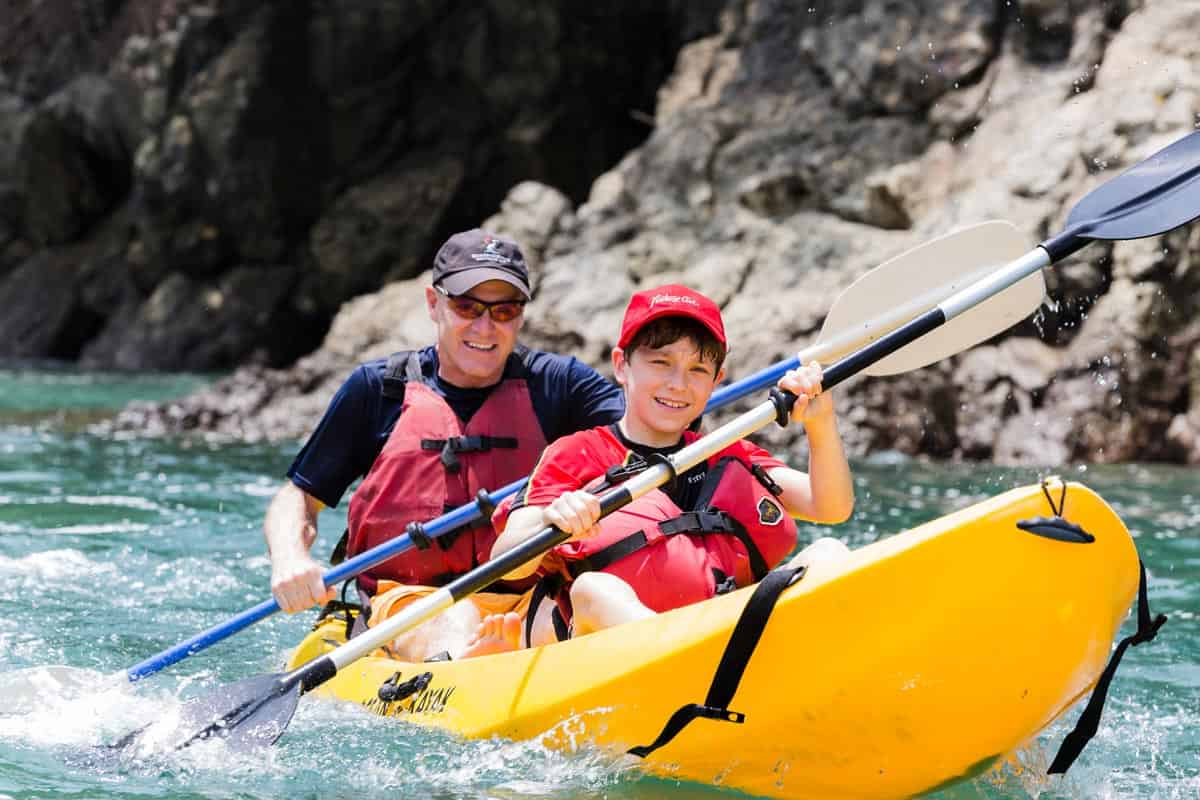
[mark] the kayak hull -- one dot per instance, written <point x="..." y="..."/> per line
<point x="917" y="660"/>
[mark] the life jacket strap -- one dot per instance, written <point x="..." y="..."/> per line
<point x="768" y="483"/>
<point x="715" y="521"/>
<point x="618" y="473"/>
<point x="711" y="521"/>
<point x="549" y="586"/>
<point x="609" y="555"/>
<point x="466" y="444"/>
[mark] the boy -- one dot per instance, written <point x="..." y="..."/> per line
<point x="734" y="511"/>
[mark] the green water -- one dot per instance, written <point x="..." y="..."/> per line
<point x="114" y="549"/>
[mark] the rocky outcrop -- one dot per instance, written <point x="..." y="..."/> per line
<point x="793" y="148"/>
<point x="296" y="154"/>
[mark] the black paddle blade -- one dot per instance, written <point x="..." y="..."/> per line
<point x="1153" y="197"/>
<point x="249" y="714"/>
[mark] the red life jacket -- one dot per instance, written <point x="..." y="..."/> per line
<point x="432" y="463"/>
<point x="672" y="557"/>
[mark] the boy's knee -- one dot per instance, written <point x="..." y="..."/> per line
<point x="823" y="550"/>
<point x="590" y="590"/>
<point x="600" y="600"/>
<point x="829" y="546"/>
<point x="592" y="593"/>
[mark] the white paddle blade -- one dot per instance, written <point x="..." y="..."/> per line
<point x="904" y="287"/>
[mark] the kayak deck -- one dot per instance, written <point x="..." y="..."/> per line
<point x="917" y="660"/>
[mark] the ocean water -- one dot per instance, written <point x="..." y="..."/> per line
<point x="114" y="548"/>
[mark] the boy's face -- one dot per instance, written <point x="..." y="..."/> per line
<point x="666" y="388"/>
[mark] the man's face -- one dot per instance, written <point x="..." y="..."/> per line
<point x="472" y="351"/>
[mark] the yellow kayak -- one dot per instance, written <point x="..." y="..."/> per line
<point x="916" y="661"/>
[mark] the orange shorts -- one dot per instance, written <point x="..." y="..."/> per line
<point x="391" y="597"/>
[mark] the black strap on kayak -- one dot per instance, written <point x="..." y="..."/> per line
<point x="1089" y="721"/>
<point x="738" y="650"/>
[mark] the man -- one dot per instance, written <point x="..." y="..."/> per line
<point x="430" y="429"/>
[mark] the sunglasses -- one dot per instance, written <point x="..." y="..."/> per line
<point x="469" y="307"/>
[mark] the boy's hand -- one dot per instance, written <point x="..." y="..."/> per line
<point x="812" y="404"/>
<point x="575" y="513"/>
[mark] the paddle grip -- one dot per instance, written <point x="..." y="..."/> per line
<point x="311" y="675"/>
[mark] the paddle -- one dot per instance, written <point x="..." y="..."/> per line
<point x="863" y="312"/>
<point x="1125" y="210"/>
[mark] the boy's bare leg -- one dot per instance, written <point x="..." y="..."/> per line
<point x="448" y="632"/>
<point x="500" y="633"/>
<point x="497" y="633"/>
<point x="600" y="600"/>
<point x="821" y="557"/>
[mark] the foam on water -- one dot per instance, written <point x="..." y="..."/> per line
<point x="61" y="706"/>
<point x="52" y="567"/>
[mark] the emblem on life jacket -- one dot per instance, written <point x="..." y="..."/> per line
<point x="768" y="512"/>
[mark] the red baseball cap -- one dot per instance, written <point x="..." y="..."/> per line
<point x="671" y="300"/>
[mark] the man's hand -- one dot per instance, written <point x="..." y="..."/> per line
<point x="290" y="528"/>
<point x="297" y="583"/>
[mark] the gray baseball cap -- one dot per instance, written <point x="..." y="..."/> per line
<point x="469" y="258"/>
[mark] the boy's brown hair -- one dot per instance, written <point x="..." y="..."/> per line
<point x="668" y="330"/>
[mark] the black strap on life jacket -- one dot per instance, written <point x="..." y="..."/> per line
<point x="547" y="587"/>
<point x="705" y="521"/>
<point x="405" y="366"/>
<point x="693" y="521"/>
<point x="466" y="444"/>
<point x="619" y="473"/>
<point x="739" y="649"/>
<point x="1089" y="721"/>
<point x="401" y="368"/>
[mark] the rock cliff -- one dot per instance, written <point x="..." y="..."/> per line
<point x="285" y="166"/>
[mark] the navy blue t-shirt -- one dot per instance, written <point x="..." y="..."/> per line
<point x="567" y="396"/>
